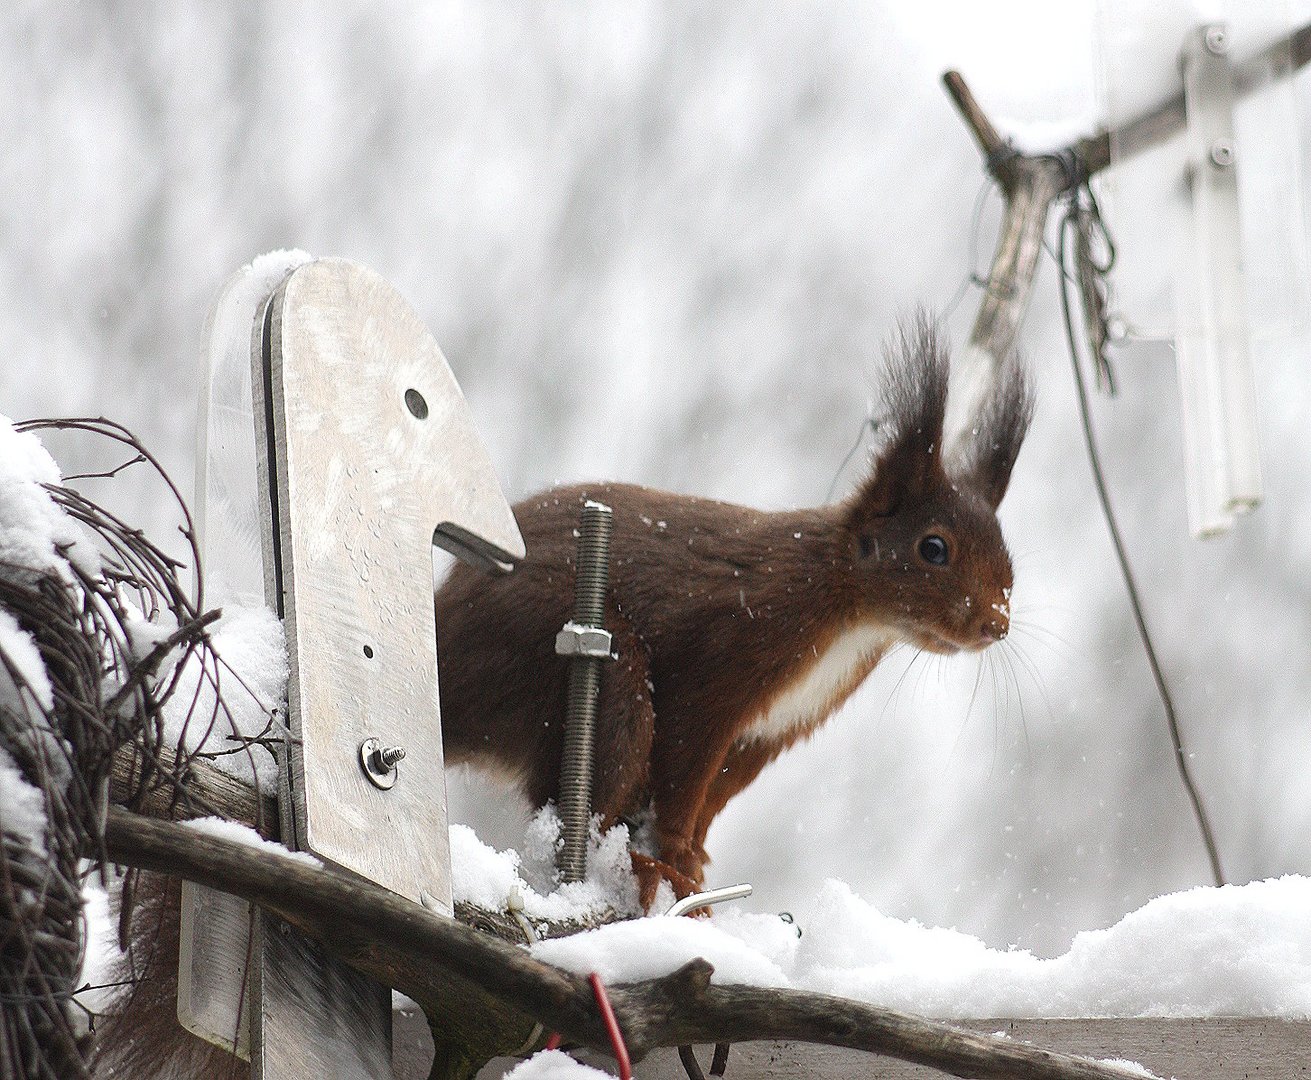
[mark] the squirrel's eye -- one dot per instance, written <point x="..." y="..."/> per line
<point x="933" y="549"/>
<point x="866" y="545"/>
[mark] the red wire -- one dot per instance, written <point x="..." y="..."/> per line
<point x="612" y="1027"/>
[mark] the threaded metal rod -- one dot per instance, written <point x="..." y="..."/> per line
<point x="576" y="767"/>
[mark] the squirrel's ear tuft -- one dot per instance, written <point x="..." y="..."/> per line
<point x="989" y="450"/>
<point x="908" y="425"/>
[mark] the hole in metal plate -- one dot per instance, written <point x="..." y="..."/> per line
<point x="416" y="404"/>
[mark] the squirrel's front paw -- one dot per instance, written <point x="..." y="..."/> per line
<point x="651" y="872"/>
<point x="687" y="857"/>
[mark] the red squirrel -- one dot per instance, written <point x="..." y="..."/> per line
<point x="736" y="631"/>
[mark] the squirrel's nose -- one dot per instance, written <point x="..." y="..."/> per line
<point x="994" y="629"/>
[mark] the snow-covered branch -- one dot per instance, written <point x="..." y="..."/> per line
<point x="429" y="958"/>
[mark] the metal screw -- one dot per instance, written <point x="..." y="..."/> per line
<point x="592" y="578"/>
<point x="387" y="756"/>
<point x="1217" y="40"/>
<point x="379" y="762"/>
<point x="1222" y="153"/>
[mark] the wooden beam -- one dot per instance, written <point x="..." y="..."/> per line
<point x="1218" y="1048"/>
<point x="158" y="788"/>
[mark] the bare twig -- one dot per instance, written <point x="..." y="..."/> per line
<point x="985" y="133"/>
<point x="1030" y="184"/>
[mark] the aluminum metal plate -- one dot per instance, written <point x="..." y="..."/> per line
<point x="373" y="457"/>
<point x="1216" y="384"/>
<point x="213" y="961"/>
<point x="215" y="935"/>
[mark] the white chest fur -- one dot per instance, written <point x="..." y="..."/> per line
<point x="834" y="674"/>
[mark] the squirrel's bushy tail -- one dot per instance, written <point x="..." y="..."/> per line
<point x="139" y="1037"/>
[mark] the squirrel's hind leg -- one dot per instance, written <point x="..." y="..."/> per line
<point x="625" y="727"/>
<point x="742" y="765"/>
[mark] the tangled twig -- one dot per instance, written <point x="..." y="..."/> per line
<point x="115" y="634"/>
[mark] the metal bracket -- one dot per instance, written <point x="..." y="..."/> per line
<point x="365" y="456"/>
<point x="1215" y="370"/>
<point x="217" y="930"/>
<point x="372" y="456"/>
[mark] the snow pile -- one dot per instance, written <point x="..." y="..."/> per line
<point x="1240" y="950"/>
<point x="36" y="539"/>
<point x="35" y="535"/>
<point x="1135" y="1067"/>
<point x="554" y="1065"/>
<point x="1234" y="951"/>
<point x="650" y="948"/>
<point x="23" y="679"/>
<point x="22" y="807"/>
<point x="236" y="833"/>
<point x="497" y="879"/>
<point x="251" y="680"/>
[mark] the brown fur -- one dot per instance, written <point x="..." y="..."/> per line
<point x="717" y="610"/>
<point x="140" y="1037"/>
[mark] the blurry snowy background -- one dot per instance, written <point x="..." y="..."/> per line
<point x="662" y="243"/>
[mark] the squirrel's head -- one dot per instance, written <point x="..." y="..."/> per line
<point x="928" y="553"/>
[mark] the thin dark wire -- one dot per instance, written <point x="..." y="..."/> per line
<point x="868" y="422"/>
<point x="972" y="276"/>
<point x="690" y="1064"/>
<point x="1099" y="481"/>
<point x="718" y="1065"/>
